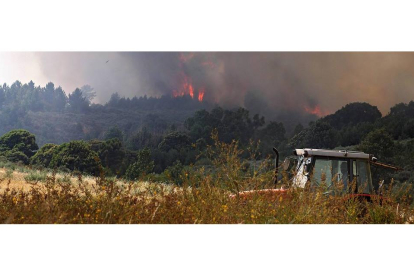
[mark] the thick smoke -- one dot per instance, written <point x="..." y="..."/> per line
<point x="272" y="83"/>
<point x="281" y="83"/>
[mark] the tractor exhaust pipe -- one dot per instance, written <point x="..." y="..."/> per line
<point x="277" y="164"/>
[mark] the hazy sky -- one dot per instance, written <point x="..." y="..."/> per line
<point x="280" y="80"/>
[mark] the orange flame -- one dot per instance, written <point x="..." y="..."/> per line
<point x="191" y="91"/>
<point x="186" y="86"/>
<point x="201" y="94"/>
<point x="185" y="89"/>
<point x="316" y="111"/>
<point x="177" y="93"/>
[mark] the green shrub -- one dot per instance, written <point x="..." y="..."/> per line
<point x="203" y="162"/>
<point x="44" y="155"/>
<point x="142" y="167"/>
<point x="174" y="140"/>
<point x="19" y="140"/>
<point x="4" y="163"/>
<point x="35" y="177"/>
<point x="111" y="154"/>
<point x="65" y="179"/>
<point x="23" y="169"/>
<point x="175" y="172"/>
<point x="9" y="173"/>
<point x="114" y="133"/>
<point x="76" y="155"/>
<point x="158" y="178"/>
<point x="16" y="156"/>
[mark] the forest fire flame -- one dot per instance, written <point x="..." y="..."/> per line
<point x="316" y="110"/>
<point x="187" y="88"/>
<point x="200" y="94"/>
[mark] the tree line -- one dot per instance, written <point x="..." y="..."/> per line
<point x="121" y="146"/>
<point x="28" y="97"/>
<point x="45" y="110"/>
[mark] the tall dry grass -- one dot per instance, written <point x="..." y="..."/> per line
<point x="203" y="198"/>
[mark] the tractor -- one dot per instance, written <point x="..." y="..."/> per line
<point x="311" y="168"/>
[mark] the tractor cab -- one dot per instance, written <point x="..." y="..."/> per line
<point x="350" y="170"/>
<point x="335" y="170"/>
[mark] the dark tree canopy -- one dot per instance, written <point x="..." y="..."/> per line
<point x="399" y="122"/>
<point x="19" y="140"/>
<point x="88" y="92"/>
<point x="174" y="140"/>
<point x="271" y="136"/>
<point x="44" y="155"/>
<point x="318" y="135"/>
<point x="352" y="114"/>
<point x="78" y="102"/>
<point x="111" y="153"/>
<point x="143" y="139"/>
<point x="76" y="155"/>
<point x="230" y="124"/>
<point x="346" y="127"/>
<point x="380" y="143"/>
<point x="114" y="133"/>
<point x="143" y="166"/>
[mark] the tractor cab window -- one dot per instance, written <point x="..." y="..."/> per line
<point x="362" y="174"/>
<point x="322" y="172"/>
<point x="328" y="171"/>
<point x="342" y="173"/>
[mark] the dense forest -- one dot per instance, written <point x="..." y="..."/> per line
<point x="131" y="138"/>
<point x="55" y="117"/>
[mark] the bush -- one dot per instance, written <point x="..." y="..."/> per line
<point x="174" y="140"/>
<point x="4" y="163"/>
<point x="203" y="162"/>
<point x="142" y="167"/>
<point x="65" y="179"/>
<point x="16" y="156"/>
<point x="175" y="172"/>
<point x="76" y="155"/>
<point x="35" y="177"/>
<point x="19" y="140"/>
<point x="114" y="133"/>
<point x="44" y="155"/>
<point x="111" y="153"/>
<point x="9" y="173"/>
<point x="380" y="143"/>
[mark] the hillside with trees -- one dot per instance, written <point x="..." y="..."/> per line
<point x="133" y="138"/>
<point x="55" y="117"/>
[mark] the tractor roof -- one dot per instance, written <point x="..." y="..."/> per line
<point x="333" y="153"/>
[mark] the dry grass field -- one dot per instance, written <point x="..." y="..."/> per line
<point x="204" y="197"/>
<point x="23" y="181"/>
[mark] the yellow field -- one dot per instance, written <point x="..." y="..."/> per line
<point x="205" y="197"/>
<point x="17" y="181"/>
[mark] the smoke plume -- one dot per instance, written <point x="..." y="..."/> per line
<point x="269" y="82"/>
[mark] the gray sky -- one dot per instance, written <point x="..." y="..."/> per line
<point x="300" y="81"/>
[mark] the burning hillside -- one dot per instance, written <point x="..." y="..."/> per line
<point x="185" y="81"/>
<point x="316" y="110"/>
<point x="186" y="87"/>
